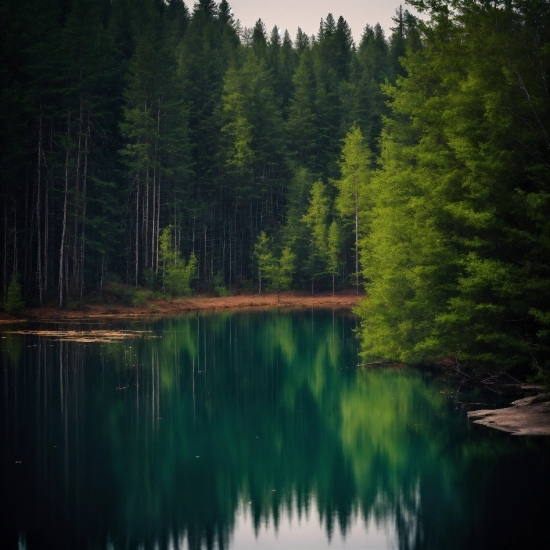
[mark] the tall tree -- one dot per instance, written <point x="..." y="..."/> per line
<point x="316" y="219"/>
<point x="353" y="192"/>
<point x="454" y="254"/>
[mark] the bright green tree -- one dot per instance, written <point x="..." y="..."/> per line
<point x="316" y="219"/>
<point x="263" y="255"/>
<point x="457" y="251"/>
<point x="353" y="193"/>
<point x="277" y="270"/>
<point x="177" y="274"/>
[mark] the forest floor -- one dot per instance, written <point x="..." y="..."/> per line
<point x="346" y="299"/>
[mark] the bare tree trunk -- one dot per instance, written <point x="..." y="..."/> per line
<point x="26" y="246"/>
<point x="153" y="220"/>
<point x="146" y="217"/>
<point x="158" y="230"/>
<point x="137" y="229"/>
<point x="5" y="248"/>
<point x="356" y="244"/>
<point x="211" y="244"/>
<point x="205" y="258"/>
<point x="46" y="236"/>
<point x="15" y="263"/>
<point x="61" y="302"/>
<point x="75" y="277"/>
<point x="38" y="221"/>
<point x="84" y="189"/>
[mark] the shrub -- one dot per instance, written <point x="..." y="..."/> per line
<point x="177" y="274"/>
<point x="13" y="303"/>
<point x="139" y="298"/>
<point x="219" y="288"/>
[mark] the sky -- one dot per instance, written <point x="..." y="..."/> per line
<point x="291" y="14"/>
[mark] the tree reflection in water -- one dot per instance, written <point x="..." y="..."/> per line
<point x="249" y="417"/>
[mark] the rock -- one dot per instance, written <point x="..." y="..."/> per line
<point x="528" y="416"/>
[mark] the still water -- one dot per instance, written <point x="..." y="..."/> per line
<point x="251" y="430"/>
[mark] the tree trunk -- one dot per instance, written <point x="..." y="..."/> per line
<point x="137" y="230"/>
<point x="75" y="278"/>
<point x="5" y="249"/>
<point x="61" y="302"/>
<point x="46" y="236"/>
<point x="38" y="221"/>
<point x="158" y="231"/>
<point x="153" y="219"/>
<point x="356" y="245"/>
<point x="84" y="189"/>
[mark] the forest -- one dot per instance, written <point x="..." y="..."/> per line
<point x="149" y="148"/>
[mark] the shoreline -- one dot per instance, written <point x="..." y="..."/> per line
<point x="346" y="299"/>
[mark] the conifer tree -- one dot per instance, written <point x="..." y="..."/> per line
<point x="455" y="221"/>
<point x="353" y="192"/>
<point x="301" y="114"/>
<point x="316" y="219"/>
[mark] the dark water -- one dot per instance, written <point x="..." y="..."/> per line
<point x="246" y="430"/>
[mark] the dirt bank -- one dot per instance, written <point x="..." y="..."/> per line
<point x="346" y="299"/>
<point x="528" y="416"/>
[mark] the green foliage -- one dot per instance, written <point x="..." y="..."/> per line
<point x="457" y="247"/>
<point x="264" y="257"/>
<point x="355" y="174"/>
<point x="139" y="299"/>
<point x="354" y="196"/>
<point x="219" y="287"/>
<point x="13" y="302"/>
<point x="316" y="219"/>
<point x="177" y="274"/>
<point x="276" y="270"/>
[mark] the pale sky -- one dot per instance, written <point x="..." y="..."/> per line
<point x="291" y="14"/>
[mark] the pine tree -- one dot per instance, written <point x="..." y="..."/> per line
<point x="353" y="193"/>
<point x="455" y="246"/>
<point x="301" y="114"/>
<point x="177" y="274"/>
<point x="316" y="219"/>
<point x="13" y="303"/>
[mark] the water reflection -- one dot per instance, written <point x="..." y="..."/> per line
<point x="251" y="431"/>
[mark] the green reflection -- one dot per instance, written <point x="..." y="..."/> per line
<point x="149" y="441"/>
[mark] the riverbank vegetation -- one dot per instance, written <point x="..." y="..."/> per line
<point x="153" y="147"/>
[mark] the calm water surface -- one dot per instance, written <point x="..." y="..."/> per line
<point x="252" y="430"/>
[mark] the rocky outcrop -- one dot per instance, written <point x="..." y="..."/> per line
<point x="528" y="416"/>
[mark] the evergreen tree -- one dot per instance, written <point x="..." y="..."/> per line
<point x="13" y="303"/>
<point x="301" y="114"/>
<point x="454" y="254"/>
<point x="277" y="270"/>
<point x="316" y="219"/>
<point x="176" y="273"/>
<point x="353" y="192"/>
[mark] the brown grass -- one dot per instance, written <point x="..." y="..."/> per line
<point x="346" y="300"/>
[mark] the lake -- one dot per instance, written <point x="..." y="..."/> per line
<point x="250" y="430"/>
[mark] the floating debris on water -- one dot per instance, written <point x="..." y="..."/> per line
<point x="88" y="336"/>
